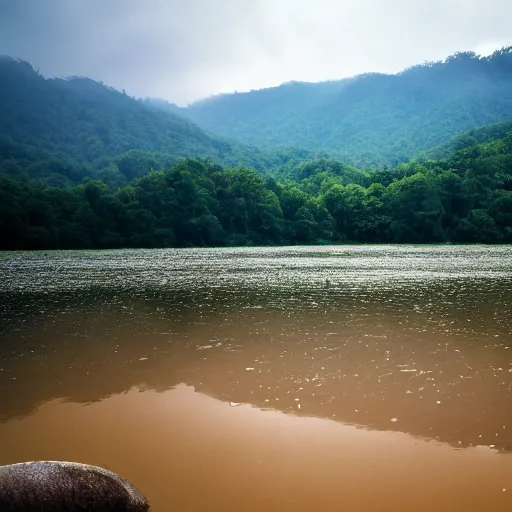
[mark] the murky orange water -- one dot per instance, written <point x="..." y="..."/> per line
<point x="188" y="451"/>
<point x="364" y="378"/>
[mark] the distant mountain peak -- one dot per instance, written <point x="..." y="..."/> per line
<point x="64" y="130"/>
<point x="372" y="118"/>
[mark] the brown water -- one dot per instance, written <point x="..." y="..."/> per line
<point x="350" y="378"/>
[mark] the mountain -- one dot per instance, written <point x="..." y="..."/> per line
<point x="64" y="131"/>
<point x="372" y="119"/>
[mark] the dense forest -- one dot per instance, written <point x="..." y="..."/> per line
<point x="370" y="120"/>
<point x="464" y="198"/>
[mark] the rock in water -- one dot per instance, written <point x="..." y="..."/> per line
<point x="52" y="486"/>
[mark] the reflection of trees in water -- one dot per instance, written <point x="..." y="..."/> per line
<point x="360" y="355"/>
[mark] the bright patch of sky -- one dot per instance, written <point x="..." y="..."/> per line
<point x="183" y="51"/>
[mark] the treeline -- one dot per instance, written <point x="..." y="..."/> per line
<point x="465" y="198"/>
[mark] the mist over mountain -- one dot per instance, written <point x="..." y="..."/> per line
<point x="67" y="130"/>
<point x="83" y="165"/>
<point x="372" y="119"/>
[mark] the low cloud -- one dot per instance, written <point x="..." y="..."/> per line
<point x="182" y="51"/>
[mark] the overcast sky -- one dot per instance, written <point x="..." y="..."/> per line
<point x="182" y="50"/>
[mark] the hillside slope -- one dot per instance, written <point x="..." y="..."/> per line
<point x="66" y="130"/>
<point x="372" y="119"/>
<point x="468" y="138"/>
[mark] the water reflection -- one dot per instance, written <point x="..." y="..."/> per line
<point x="187" y="451"/>
<point x="391" y="338"/>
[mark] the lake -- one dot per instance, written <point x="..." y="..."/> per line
<point x="356" y="378"/>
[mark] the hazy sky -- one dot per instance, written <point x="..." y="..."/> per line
<point x="182" y="50"/>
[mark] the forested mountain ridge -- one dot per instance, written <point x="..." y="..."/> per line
<point x="85" y="166"/>
<point x="372" y="119"/>
<point x="66" y="130"/>
<point x="464" y="198"/>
